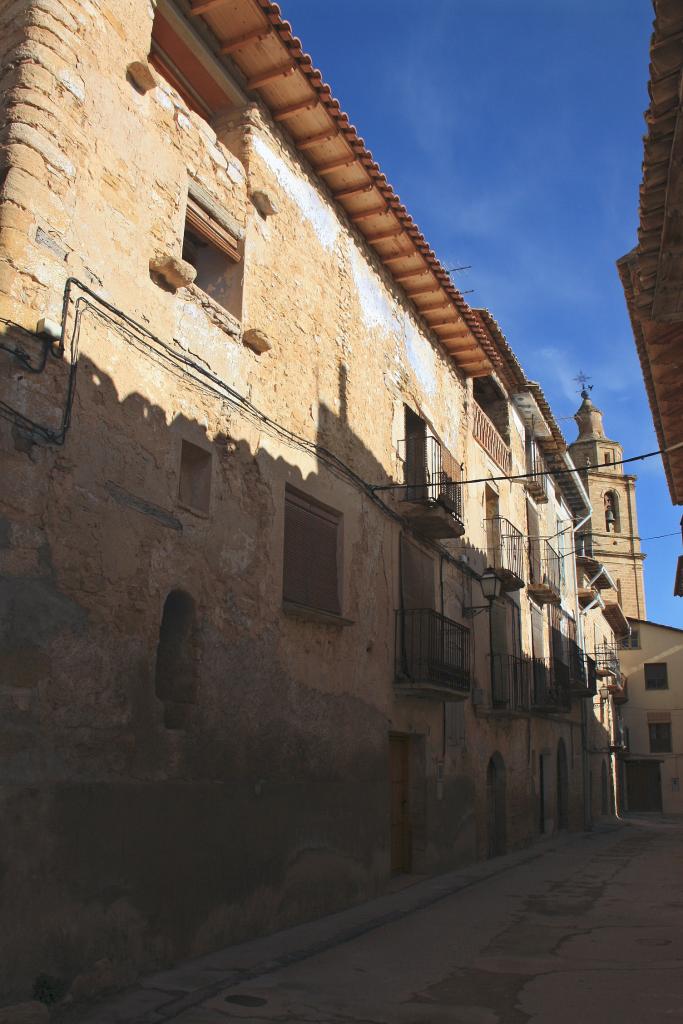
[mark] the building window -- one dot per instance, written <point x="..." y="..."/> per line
<point x="211" y="248"/>
<point x="631" y="642"/>
<point x="656" y="676"/>
<point x="312" y="554"/>
<point x="194" y="488"/>
<point x="660" y="737"/>
<point x="175" y="677"/>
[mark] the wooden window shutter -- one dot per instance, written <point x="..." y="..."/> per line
<point x="310" y="569"/>
<point x="211" y="231"/>
<point x="417" y="576"/>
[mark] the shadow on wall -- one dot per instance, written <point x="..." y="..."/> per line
<point x="166" y="732"/>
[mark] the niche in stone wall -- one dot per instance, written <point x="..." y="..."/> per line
<point x="175" y="677"/>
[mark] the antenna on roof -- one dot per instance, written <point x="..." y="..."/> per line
<point x="584" y="387"/>
<point x="454" y="270"/>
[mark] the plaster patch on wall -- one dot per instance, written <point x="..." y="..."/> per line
<point x="319" y="215"/>
<point x="377" y="308"/>
<point x="517" y="420"/>
<point x="199" y="337"/>
<point x="421" y="356"/>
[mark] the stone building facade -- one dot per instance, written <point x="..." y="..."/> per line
<point x="250" y="493"/>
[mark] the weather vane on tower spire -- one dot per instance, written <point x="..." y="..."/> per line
<point x="582" y="380"/>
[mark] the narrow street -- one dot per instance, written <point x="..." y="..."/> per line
<point x="583" y="928"/>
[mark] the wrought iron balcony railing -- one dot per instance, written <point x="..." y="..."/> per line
<point x="505" y="551"/>
<point x="485" y="432"/>
<point x="432" y="652"/>
<point x="607" y="660"/>
<point x="550" y="685"/>
<point x="431" y="474"/>
<point x="511" y="682"/>
<point x="545" y="570"/>
<point x="537" y="481"/>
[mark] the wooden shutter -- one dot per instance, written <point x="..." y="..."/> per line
<point x="207" y="227"/>
<point x="417" y="576"/>
<point x="310" y="569"/>
<point x="537" y="644"/>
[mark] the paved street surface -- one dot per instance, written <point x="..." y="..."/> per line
<point x="577" y="930"/>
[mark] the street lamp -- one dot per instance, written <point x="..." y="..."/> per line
<point x="491" y="587"/>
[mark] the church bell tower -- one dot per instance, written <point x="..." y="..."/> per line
<point x="611" y="535"/>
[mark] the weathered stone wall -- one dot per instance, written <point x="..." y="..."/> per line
<point x="124" y="839"/>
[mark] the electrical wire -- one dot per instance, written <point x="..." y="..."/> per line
<point x="186" y="369"/>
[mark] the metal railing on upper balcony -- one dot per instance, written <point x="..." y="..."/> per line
<point x="607" y="659"/>
<point x="511" y="682"/>
<point x="505" y="546"/>
<point x="430" y="473"/>
<point x="432" y="650"/>
<point x="549" y="685"/>
<point x="545" y="565"/>
<point x="537" y="482"/>
<point x="485" y="432"/>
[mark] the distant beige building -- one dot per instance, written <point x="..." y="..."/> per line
<point x="652" y="659"/>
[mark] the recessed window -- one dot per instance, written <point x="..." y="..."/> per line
<point x="631" y="642"/>
<point x="194" y="490"/>
<point x="656" y="676"/>
<point x="660" y="737"/>
<point x="311" y="575"/>
<point x="175" y="677"/>
<point x="215" y="254"/>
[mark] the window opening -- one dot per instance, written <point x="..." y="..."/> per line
<point x="660" y="737"/>
<point x="215" y="253"/>
<point x="175" y="680"/>
<point x="311" y="575"/>
<point x="656" y="677"/>
<point x="194" y="488"/>
<point x="611" y="512"/>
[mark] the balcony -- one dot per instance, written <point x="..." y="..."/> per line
<point x="591" y="676"/>
<point x="545" y="572"/>
<point x="537" y="486"/>
<point x="607" y="661"/>
<point x="433" y="495"/>
<point x="549" y="685"/>
<point x="511" y="682"/>
<point x="487" y="436"/>
<point x="505" y="552"/>
<point x="432" y="655"/>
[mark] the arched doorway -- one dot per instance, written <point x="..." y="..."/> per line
<point x="562" y="787"/>
<point x="604" y="790"/>
<point x="495" y="803"/>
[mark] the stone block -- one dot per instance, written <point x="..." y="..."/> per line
<point x="142" y="74"/>
<point x="257" y="340"/>
<point x="175" y="272"/>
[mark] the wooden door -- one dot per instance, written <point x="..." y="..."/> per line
<point x="399" y="769"/>
<point x="643" y="780"/>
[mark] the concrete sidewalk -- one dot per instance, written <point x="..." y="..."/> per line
<point x="167" y="995"/>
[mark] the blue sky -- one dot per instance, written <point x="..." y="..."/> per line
<point x="513" y="133"/>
